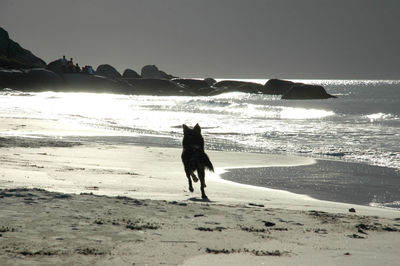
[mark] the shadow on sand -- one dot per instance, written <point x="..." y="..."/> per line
<point x="200" y="199"/>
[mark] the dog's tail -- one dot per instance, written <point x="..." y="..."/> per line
<point x="207" y="163"/>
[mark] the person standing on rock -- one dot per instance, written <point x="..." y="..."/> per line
<point x="64" y="63"/>
<point x="90" y="70"/>
<point x="77" y="68"/>
<point x="71" y="67"/>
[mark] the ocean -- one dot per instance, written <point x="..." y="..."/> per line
<point x="361" y="126"/>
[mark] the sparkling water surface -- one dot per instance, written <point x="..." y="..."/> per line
<point x="361" y="125"/>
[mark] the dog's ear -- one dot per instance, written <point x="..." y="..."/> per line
<point x="185" y="128"/>
<point x="197" y="128"/>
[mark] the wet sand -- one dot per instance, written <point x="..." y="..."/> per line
<point x="347" y="182"/>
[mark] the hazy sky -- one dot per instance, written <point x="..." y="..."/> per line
<point x="216" y="38"/>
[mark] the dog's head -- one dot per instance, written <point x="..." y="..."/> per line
<point x="192" y="138"/>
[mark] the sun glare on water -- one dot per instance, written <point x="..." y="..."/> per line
<point x="303" y="113"/>
<point x="83" y="104"/>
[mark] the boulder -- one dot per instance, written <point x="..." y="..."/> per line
<point x="130" y="74"/>
<point x="12" y="55"/>
<point x="228" y="83"/>
<point x="43" y="77"/>
<point x="35" y="79"/>
<point x="55" y="66"/>
<point x="306" y="92"/>
<point x="210" y="81"/>
<point x="237" y="86"/>
<point x="278" y="86"/>
<point x="80" y="82"/>
<point x="11" y="78"/>
<point x="152" y="72"/>
<point x="207" y="91"/>
<point x="191" y="84"/>
<point x="108" y="71"/>
<point x="156" y="87"/>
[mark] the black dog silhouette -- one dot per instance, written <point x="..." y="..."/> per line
<point x="194" y="158"/>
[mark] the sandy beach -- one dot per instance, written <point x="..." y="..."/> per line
<point x="79" y="203"/>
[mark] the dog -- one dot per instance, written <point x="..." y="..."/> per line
<point x="194" y="158"/>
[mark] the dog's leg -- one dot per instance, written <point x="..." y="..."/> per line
<point x="194" y="177"/>
<point x="188" y="172"/>
<point x="202" y="182"/>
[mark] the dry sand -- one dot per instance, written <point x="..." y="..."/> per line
<point x="129" y="205"/>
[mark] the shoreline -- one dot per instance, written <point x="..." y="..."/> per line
<point x="59" y="166"/>
<point x="294" y="177"/>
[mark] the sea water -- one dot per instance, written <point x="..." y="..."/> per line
<point x="361" y="125"/>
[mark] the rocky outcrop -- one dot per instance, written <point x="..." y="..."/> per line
<point x="108" y="71"/>
<point x="210" y="81"/>
<point x="20" y="69"/>
<point x="35" y="79"/>
<point x="130" y="74"/>
<point x="11" y="78"/>
<point x="12" y="55"/>
<point x="92" y="83"/>
<point x="156" y="87"/>
<point x="55" y="66"/>
<point x="237" y="86"/>
<point x="306" y="92"/>
<point x="152" y="72"/>
<point x="40" y="79"/>
<point x="278" y="86"/>
<point x="43" y="76"/>
<point x="192" y="85"/>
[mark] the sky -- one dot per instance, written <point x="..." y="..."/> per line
<point x="327" y="39"/>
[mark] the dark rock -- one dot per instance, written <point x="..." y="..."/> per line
<point x="55" y="66"/>
<point x="278" y="86"/>
<point x="12" y="55"/>
<point x="130" y="74"/>
<point x="80" y="82"/>
<point x="237" y="86"/>
<point x="268" y="224"/>
<point x="40" y="79"/>
<point x="228" y="83"/>
<point x="191" y="84"/>
<point x="206" y="91"/>
<point x="306" y="92"/>
<point x="43" y="77"/>
<point x="108" y="71"/>
<point x="156" y="87"/>
<point x="210" y="81"/>
<point x="30" y="80"/>
<point x="11" y="78"/>
<point x="352" y="210"/>
<point x="152" y="72"/>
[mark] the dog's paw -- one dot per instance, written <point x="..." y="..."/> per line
<point x="194" y="177"/>
<point x="191" y="189"/>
